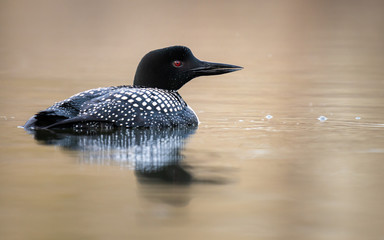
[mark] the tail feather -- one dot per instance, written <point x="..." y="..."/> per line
<point x="43" y="119"/>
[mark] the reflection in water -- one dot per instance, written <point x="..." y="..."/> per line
<point x="154" y="154"/>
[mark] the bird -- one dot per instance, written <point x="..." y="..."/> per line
<point x="152" y="101"/>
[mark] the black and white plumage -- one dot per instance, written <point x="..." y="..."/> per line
<point x="152" y="101"/>
<point x="124" y="106"/>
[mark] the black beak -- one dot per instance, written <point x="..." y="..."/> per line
<point x="209" y="68"/>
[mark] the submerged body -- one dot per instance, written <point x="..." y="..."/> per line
<point x="152" y="101"/>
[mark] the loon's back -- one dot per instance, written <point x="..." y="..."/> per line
<point x="122" y="106"/>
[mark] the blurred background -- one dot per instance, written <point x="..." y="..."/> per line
<point x="268" y="168"/>
<point x="105" y="40"/>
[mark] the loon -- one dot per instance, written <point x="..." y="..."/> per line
<point x="152" y="100"/>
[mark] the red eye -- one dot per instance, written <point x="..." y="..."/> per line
<point x="177" y="63"/>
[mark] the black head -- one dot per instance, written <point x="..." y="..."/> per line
<point x="170" y="68"/>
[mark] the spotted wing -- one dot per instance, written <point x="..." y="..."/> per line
<point x="139" y="107"/>
<point x="67" y="109"/>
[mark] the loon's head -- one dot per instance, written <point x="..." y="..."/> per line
<point x="172" y="67"/>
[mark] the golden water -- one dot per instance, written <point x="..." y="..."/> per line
<point x="291" y="176"/>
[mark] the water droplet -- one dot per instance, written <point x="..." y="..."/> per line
<point x="322" y="118"/>
<point x="269" y="117"/>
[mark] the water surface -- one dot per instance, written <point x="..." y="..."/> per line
<point x="261" y="165"/>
